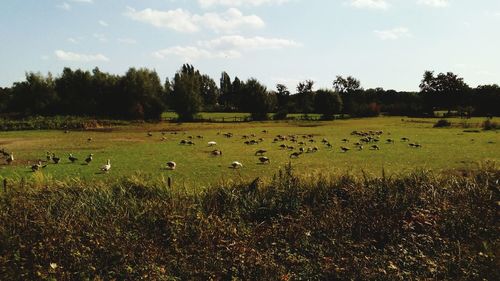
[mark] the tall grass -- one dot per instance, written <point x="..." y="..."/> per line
<point x="421" y="225"/>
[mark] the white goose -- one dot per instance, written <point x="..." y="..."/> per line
<point x="107" y="167"/>
<point x="236" y="165"/>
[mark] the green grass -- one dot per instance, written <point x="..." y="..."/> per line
<point x="132" y="151"/>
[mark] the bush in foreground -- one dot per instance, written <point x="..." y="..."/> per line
<point x="419" y="226"/>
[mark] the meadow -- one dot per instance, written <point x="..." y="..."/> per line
<point x="132" y="151"/>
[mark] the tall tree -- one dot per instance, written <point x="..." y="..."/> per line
<point x="258" y="100"/>
<point x="186" y="97"/>
<point x="36" y="95"/>
<point x="141" y="94"/>
<point x="237" y="94"/>
<point x="305" y="96"/>
<point x="209" y="92"/>
<point x="226" y="91"/>
<point x="444" y="91"/>
<point x="346" y="85"/>
<point x="75" y="92"/>
<point x="328" y="103"/>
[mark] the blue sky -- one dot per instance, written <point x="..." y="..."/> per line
<point x="386" y="43"/>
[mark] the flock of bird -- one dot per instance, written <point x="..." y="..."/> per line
<point x="52" y="158"/>
<point x="297" y="144"/>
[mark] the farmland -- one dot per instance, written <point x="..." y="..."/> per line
<point x="131" y="150"/>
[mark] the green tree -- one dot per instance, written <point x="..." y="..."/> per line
<point x="305" y="96"/>
<point x="346" y="85"/>
<point x="141" y="94"/>
<point x="237" y="95"/>
<point x="75" y="92"/>
<point x="283" y="101"/>
<point x="36" y="95"/>
<point x="186" y="97"/>
<point x="259" y="100"/>
<point x="444" y="91"/>
<point x="328" y="103"/>
<point x="209" y="92"/>
<point x="226" y="100"/>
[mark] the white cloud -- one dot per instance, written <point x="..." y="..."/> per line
<point x="70" y="56"/>
<point x="83" y="1"/>
<point x="100" y="37"/>
<point x="224" y="47"/>
<point x="65" y="6"/>
<point x="72" y="40"/>
<point x="191" y="53"/>
<point x="392" y="34"/>
<point x="237" y="3"/>
<point x="240" y="42"/>
<point x="434" y="3"/>
<point x="126" y="41"/>
<point x="183" y="21"/>
<point x="371" y="4"/>
<point x="103" y="23"/>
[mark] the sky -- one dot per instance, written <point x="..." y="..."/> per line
<point x="383" y="43"/>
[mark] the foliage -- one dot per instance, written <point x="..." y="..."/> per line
<point x="56" y="123"/>
<point x="442" y="123"/>
<point x="305" y="97"/>
<point x="141" y="94"/>
<point x="186" y="97"/>
<point x="418" y="226"/>
<point x="36" y="95"/>
<point x="346" y="85"/>
<point x="445" y="91"/>
<point x="257" y="100"/>
<point x="327" y="103"/>
<point x="490" y="125"/>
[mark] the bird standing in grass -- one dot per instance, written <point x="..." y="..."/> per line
<point x="55" y="159"/>
<point x="344" y="149"/>
<point x="260" y="152"/>
<point x="264" y="159"/>
<point x="236" y="165"/>
<point x="72" y="158"/>
<point x="89" y="158"/>
<point x="10" y="158"/>
<point x="107" y="167"/>
<point x="171" y="165"/>
<point x="37" y="166"/>
<point x="216" y="152"/>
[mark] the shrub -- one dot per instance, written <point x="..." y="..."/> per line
<point x="490" y="125"/>
<point x="442" y="123"/>
<point x="280" y="115"/>
<point x="419" y="226"/>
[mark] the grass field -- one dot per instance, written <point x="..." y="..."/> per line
<point x="131" y="150"/>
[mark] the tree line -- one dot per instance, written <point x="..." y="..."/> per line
<point x="140" y="94"/>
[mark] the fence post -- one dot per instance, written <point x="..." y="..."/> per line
<point x="169" y="182"/>
<point x="5" y="185"/>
